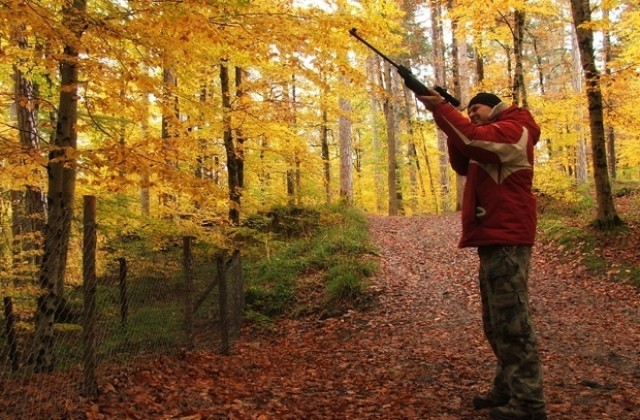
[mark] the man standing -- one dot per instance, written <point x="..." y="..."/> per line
<point x="494" y="150"/>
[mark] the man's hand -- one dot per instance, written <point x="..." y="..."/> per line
<point x="431" y="100"/>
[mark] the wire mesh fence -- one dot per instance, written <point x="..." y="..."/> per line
<point x="144" y="307"/>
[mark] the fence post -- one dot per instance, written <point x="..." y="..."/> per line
<point x="124" y="302"/>
<point x="237" y="295"/>
<point x="11" y="334"/>
<point x="223" y="303"/>
<point x="187" y="242"/>
<point x="90" y="388"/>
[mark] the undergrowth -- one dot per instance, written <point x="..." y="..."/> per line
<point x="305" y="261"/>
<point x="608" y="253"/>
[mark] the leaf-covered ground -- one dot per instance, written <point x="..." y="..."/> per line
<point x="417" y="353"/>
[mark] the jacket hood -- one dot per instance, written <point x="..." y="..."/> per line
<point x="503" y="110"/>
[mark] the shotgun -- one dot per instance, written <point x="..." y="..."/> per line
<point x="410" y="80"/>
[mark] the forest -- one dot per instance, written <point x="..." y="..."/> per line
<point x="208" y="119"/>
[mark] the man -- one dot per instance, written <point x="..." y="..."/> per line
<point x="494" y="150"/>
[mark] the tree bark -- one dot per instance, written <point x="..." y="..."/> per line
<point x="239" y="135"/>
<point x="611" y="134"/>
<point x="606" y="216"/>
<point x="346" y="158"/>
<point x="479" y="61"/>
<point x="290" y="151"/>
<point x="392" y="165"/>
<point x="375" y="76"/>
<point x="439" y="69"/>
<point x="326" y="163"/>
<point x="458" y="93"/>
<point x="62" y="172"/>
<point x="29" y="204"/>
<point x="145" y="180"/>
<point x="582" y="164"/>
<point x="519" y="87"/>
<point x="232" y="170"/>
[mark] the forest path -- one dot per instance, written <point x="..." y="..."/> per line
<point x="417" y="353"/>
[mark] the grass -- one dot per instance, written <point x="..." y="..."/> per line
<point x="148" y="328"/>
<point x="324" y="268"/>
<point x="295" y="261"/>
<point x="572" y="229"/>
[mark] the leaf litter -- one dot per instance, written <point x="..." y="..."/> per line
<point x="418" y="353"/>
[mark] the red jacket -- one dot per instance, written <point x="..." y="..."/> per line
<point x="498" y="207"/>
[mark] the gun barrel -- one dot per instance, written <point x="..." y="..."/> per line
<point x="409" y="79"/>
<point x="353" y="32"/>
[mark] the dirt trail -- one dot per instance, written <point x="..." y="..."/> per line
<point x="418" y="353"/>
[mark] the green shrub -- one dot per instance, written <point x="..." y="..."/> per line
<point x="344" y="285"/>
<point x="332" y="242"/>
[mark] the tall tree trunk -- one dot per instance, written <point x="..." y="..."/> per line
<point x="18" y="233"/>
<point x="437" y="36"/>
<point x="170" y="125"/>
<point x="374" y="75"/>
<point x="239" y="134"/>
<point x="392" y="165"/>
<point x="145" y="180"/>
<point x="428" y="169"/>
<point x="346" y="157"/>
<point x="264" y="176"/>
<point x="606" y="216"/>
<point x="519" y="87"/>
<point x="412" y="156"/>
<point x="296" y="171"/>
<point x="290" y="149"/>
<point x="479" y="61"/>
<point x="28" y="205"/>
<point x="582" y="165"/>
<point x="232" y="163"/>
<point x="398" y="87"/>
<point x="202" y="159"/>
<point x="326" y="163"/>
<point x="61" y="189"/>
<point x="611" y="134"/>
<point x="539" y="66"/>
<point x="457" y="92"/>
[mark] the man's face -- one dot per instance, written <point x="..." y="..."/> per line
<point x="479" y="113"/>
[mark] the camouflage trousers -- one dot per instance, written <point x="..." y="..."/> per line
<point x="504" y="272"/>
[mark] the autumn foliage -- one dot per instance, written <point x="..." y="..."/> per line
<point x="189" y="118"/>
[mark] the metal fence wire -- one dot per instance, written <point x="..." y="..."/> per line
<point x="145" y="307"/>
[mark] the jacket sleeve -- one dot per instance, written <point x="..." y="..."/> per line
<point x="459" y="162"/>
<point x="481" y="143"/>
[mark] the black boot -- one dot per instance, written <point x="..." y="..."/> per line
<point x="511" y="411"/>
<point x="491" y="399"/>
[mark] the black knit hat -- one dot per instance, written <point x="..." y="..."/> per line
<point x="485" y="98"/>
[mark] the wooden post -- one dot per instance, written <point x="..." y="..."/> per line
<point x="10" y="329"/>
<point x="187" y="242"/>
<point x="124" y="301"/>
<point x="90" y="388"/>
<point x="223" y="301"/>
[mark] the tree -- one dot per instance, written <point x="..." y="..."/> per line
<point x="611" y="134"/>
<point x="606" y="215"/>
<point x="519" y="85"/>
<point x="392" y="144"/>
<point x="457" y="91"/>
<point x="61" y="190"/>
<point x="29" y="209"/>
<point x="437" y="37"/>
<point x="233" y="171"/>
<point x="373" y="75"/>
<point x="346" y="158"/>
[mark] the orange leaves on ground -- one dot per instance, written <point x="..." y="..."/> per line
<point x="417" y="353"/>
